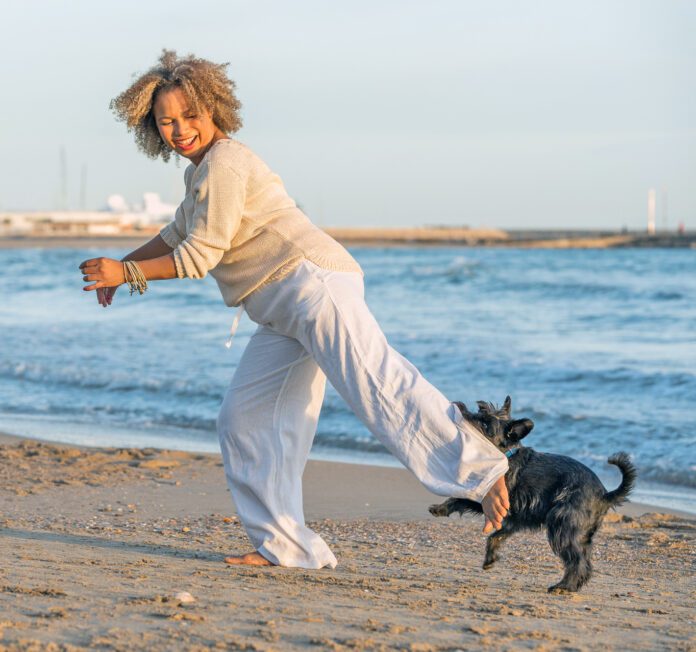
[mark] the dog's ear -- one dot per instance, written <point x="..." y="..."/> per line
<point x="484" y="407"/>
<point x="519" y="429"/>
<point x="462" y="408"/>
<point x="507" y="405"/>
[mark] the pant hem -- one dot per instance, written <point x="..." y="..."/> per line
<point x="264" y="551"/>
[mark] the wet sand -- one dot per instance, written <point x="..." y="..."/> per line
<point x="96" y="544"/>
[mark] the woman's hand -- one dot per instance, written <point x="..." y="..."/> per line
<point x="104" y="274"/>
<point x="106" y="295"/>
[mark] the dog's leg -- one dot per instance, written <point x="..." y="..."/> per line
<point x="577" y="570"/>
<point x="443" y="509"/>
<point x="452" y="505"/>
<point x="573" y="547"/>
<point x="586" y="548"/>
<point x="493" y="543"/>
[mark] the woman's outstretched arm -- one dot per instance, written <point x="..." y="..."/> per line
<point x="106" y="274"/>
<point x="154" y="248"/>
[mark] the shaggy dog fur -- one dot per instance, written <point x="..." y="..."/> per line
<point x="551" y="491"/>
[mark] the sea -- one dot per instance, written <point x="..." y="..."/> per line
<point x="597" y="347"/>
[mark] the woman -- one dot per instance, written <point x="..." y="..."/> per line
<point x="305" y="292"/>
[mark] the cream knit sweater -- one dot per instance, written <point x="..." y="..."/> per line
<point x="238" y="223"/>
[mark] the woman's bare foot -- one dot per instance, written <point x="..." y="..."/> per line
<point x="250" y="559"/>
<point x="495" y="504"/>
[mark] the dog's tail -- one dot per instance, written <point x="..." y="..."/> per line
<point x="629" y="473"/>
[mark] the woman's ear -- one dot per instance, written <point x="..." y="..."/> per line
<point x="519" y="429"/>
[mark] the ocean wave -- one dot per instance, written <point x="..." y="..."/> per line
<point x="621" y="375"/>
<point x="669" y="476"/>
<point x="648" y="470"/>
<point x="453" y="271"/>
<point x="664" y="295"/>
<point x="574" y="290"/>
<point x="348" y="442"/>
<point x="123" y="416"/>
<point x="91" y="378"/>
<point x="559" y="289"/>
<point x="654" y="469"/>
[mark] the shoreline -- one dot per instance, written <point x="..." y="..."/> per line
<point x="99" y="543"/>
<point x="398" y="493"/>
<point x="408" y="237"/>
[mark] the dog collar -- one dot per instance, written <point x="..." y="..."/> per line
<point x="511" y="452"/>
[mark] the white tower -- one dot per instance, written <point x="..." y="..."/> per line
<point x="651" y="211"/>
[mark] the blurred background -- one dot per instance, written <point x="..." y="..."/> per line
<point x="396" y="113"/>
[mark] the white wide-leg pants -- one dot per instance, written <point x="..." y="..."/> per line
<point x="314" y="324"/>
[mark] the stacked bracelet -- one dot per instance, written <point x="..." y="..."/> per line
<point x="134" y="276"/>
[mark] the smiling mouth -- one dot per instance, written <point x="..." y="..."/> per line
<point x="185" y="144"/>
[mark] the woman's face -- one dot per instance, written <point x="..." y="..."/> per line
<point x="188" y="133"/>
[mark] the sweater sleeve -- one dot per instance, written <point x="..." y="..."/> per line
<point x="219" y="194"/>
<point x="174" y="232"/>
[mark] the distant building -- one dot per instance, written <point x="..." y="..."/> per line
<point x="117" y="218"/>
<point x="651" y="211"/>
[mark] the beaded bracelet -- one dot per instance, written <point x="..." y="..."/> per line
<point x="134" y="276"/>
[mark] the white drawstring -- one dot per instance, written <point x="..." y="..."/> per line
<point x="235" y="325"/>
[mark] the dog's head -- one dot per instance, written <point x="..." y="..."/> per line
<point x="496" y="423"/>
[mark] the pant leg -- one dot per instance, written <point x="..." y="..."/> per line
<point x="266" y="426"/>
<point x="326" y="312"/>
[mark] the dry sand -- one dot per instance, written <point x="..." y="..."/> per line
<point x="96" y="543"/>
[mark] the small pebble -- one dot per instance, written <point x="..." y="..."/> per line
<point x="184" y="597"/>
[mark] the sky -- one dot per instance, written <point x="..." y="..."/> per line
<point x="539" y="114"/>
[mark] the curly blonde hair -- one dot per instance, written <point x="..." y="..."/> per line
<point x="205" y="85"/>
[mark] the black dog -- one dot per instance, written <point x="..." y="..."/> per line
<point x="550" y="491"/>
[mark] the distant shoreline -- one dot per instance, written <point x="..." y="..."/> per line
<point x="416" y="237"/>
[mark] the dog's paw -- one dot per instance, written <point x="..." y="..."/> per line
<point x="488" y="564"/>
<point x="560" y="589"/>
<point x="439" y="510"/>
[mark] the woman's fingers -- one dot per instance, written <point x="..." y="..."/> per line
<point x="108" y="295"/>
<point x="89" y="269"/>
<point x="102" y="272"/>
<point x="91" y="263"/>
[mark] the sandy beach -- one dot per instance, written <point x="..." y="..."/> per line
<point x="97" y="543"/>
